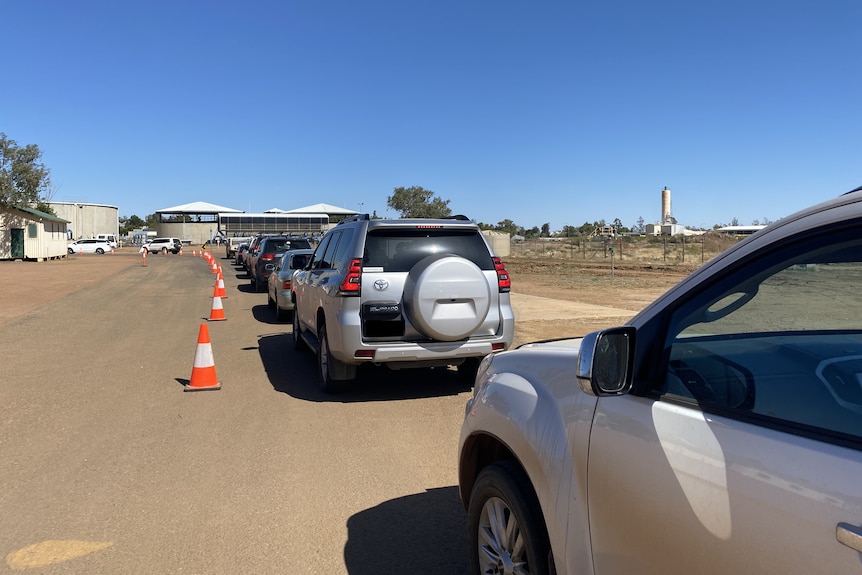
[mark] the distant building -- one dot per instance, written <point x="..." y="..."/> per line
<point x="28" y="234"/>
<point x="739" y="230"/>
<point x="88" y="220"/>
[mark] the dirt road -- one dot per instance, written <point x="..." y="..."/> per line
<point x="551" y="298"/>
<point x="108" y="467"/>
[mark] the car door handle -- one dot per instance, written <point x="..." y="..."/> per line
<point x="849" y="535"/>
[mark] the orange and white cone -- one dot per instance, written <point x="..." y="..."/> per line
<point x="203" y="373"/>
<point x="217" y="312"/>
<point x="219" y="289"/>
<point x="214" y="268"/>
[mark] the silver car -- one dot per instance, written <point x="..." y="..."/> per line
<point x="718" y="431"/>
<point x="401" y="293"/>
<point x="279" y="282"/>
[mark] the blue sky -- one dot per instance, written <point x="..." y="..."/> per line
<point x="539" y="112"/>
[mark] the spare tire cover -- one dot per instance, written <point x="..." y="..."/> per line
<point x="446" y="297"/>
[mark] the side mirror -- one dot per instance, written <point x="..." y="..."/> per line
<point x="605" y="361"/>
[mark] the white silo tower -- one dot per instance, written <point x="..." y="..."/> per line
<point x="665" y="206"/>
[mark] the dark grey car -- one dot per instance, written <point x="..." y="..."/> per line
<point x="266" y="255"/>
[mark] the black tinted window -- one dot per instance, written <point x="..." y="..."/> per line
<point x="278" y="245"/>
<point x="299" y="261"/>
<point x="398" y="250"/>
<point x="317" y="258"/>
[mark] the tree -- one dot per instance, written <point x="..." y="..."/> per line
<point x="507" y="226"/>
<point x="569" y="231"/>
<point x="546" y="230"/>
<point x="130" y="223"/>
<point x="639" y="226"/>
<point x="417" y="202"/>
<point x="24" y="180"/>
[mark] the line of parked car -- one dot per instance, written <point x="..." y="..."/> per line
<point x="269" y="261"/>
<point x="717" y="431"/>
<point x="405" y="293"/>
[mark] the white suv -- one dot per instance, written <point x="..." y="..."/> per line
<point x="173" y="245"/>
<point x="404" y="293"/>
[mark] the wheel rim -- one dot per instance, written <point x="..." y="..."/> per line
<point x="502" y="548"/>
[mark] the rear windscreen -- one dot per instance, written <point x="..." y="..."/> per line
<point x="398" y="250"/>
<point x="278" y="246"/>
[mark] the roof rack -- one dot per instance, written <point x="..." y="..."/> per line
<point x="356" y="218"/>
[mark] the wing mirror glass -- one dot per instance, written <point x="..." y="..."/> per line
<point x="605" y="361"/>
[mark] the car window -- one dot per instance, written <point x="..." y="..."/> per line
<point x="398" y="250"/>
<point x="341" y="250"/>
<point x="317" y="258"/>
<point x="297" y="244"/>
<point x="778" y="340"/>
<point x="328" y="260"/>
<point x="298" y="261"/>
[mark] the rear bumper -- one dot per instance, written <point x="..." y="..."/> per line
<point x="346" y="344"/>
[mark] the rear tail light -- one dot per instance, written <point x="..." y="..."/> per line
<point x="285" y="285"/>
<point x="353" y="279"/>
<point x="504" y="282"/>
<point x="267" y="257"/>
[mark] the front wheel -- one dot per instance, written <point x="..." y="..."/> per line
<point x="70" y="250"/>
<point x="467" y="371"/>
<point x="507" y="532"/>
<point x="100" y="251"/>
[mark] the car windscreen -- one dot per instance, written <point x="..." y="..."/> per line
<point x="398" y="250"/>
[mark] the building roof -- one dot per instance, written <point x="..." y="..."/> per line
<point x="323" y="209"/>
<point x="41" y="215"/>
<point x="740" y="229"/>
<point x="198" y="208"/>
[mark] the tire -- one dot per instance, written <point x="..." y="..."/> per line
<point x="70" y="250"/>
<point x="269" y="303"/>
<point x="281" y="314"/>
<point x="327" y="365"/>
<point x="298" y="342"/>
<point x="503" y="497"/>
<point x="100" y="251"/>
<point x="467" y="370"/>
<point x="427" y="292"/>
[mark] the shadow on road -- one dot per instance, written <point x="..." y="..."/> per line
<point x="295" y="373"/>
<point x="423" y="533"/>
